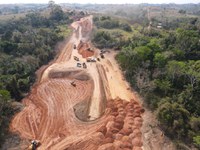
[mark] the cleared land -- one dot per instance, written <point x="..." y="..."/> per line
<point x="88" y="108"/>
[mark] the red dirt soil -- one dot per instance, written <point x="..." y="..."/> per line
<point x="50" y="115"/>
<point x="83" y="50"/>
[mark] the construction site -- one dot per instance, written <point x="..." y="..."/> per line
<point x="81" y="101"/>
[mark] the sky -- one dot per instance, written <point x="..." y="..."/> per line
<point x="101" y="1"/>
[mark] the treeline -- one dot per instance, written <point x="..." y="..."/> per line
<point x="109" y="23"/>
<point x="164" y="66"/>
<point x="25" y="45"/>
<point x="104" y="39"/>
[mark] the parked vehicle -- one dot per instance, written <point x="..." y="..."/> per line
<point x="76" y="58"/>
<point x="84" y="65"/>
<point x="91" y="59"/>
<point x="79" y="65"/>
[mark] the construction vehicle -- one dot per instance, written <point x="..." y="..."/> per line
<point x="84" y="65"/>
<point x="76" y="58"/>
<point x="78" y="65"/>
<point x="89" y="49"/>
<point x="89" y="59"/>
<point x="73" y="83"/>
<point x="102" y="56"/>
<point x="34" y="145"/>
<point x="102" y="51"/>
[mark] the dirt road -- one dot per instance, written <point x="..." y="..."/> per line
<point x="78" y="108"/>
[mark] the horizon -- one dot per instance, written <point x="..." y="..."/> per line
<point x="101" y="2"/>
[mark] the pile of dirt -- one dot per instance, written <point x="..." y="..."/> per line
<point x="120" y="131"/>
<point x="63" y="74"/>
<point x="85" y="50"/>
<point x="123" y="130"/>
<point x="70" y="74"/>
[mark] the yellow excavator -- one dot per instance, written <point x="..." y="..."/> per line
<point x="34" y="145"/>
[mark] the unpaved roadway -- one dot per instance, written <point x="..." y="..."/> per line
<point x="78" y="108"/>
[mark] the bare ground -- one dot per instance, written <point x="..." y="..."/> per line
<point x="99" y="112"/>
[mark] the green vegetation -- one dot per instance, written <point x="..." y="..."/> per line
<point x="111" y="32"/>
<point x="109" y="23"/>
<point x="164" y="67"/>
<point x="26" y="44"/>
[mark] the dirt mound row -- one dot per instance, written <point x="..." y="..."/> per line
<point x="120" y="131"/>
<point x="123" y="131"/>
<point x="70" y="74"/>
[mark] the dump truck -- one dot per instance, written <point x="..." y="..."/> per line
<point x="84" y="65"/>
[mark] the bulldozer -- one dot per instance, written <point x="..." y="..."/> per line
<point x="34" y="145"/>
<point x="73" y="83"/>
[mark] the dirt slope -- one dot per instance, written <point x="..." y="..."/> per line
<point x="99" y="112"/>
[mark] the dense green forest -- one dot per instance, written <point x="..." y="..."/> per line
<point x="26" y="44"/>
<point x="163" y="65"/>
